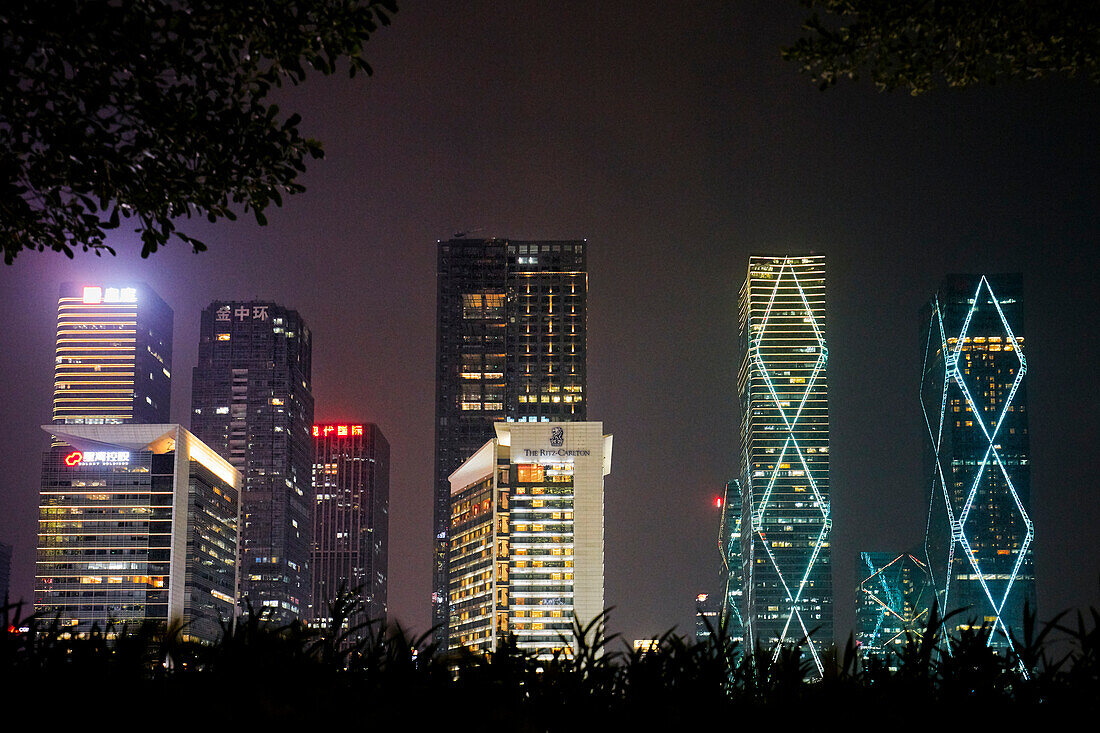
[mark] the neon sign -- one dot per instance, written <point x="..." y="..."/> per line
<point x="94" y="295"/>
<point x="341" y="431"/>
<point x="97" y="458"/>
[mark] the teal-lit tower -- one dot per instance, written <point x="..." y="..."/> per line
<point x="893" y="601"/>
<point x="786" y="519"/>
<point x="974" y="395"/>
<point x="729" y="547"/>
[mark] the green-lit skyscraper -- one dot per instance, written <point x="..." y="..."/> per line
<point x="974" y="395"/>
<point x="783" y="393"/>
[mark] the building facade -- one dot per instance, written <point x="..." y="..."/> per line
<point x="511" y="346"/>
<point x="786" y="520"/>
<point x="252" y="402"/>
<point x="351" y="486"/>
<point x="974" y="394"/>
<point x="114" y="355"/>
<point x="526" y="549"/>
<point x="729" y="547"/>
<point x="894" y="597"/>
<point x="137" y="523"/>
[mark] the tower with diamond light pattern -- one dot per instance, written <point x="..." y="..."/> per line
<point x="974" y="399"/>
<point x="786" y="520"/>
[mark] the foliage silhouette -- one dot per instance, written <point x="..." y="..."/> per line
<point x="259" y="672"/>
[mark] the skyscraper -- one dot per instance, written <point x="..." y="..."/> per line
<point x="114" y="355"/>
<point x="974" y="397"/>
<point x="729" y="547"/>
<point x="527" y="537"/>
<point x="511" y="345"/>
<point x="251" y="401"/>
<point x="137" y="523"/>
<point x="786" y="520"/>
<point x="351" y="484"/>
<point x="893" y="601"/>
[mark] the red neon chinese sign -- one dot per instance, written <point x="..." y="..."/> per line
<point x="341" y="431"/>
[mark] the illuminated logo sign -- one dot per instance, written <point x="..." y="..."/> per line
<point x="341" y="431"/>
<point x="97" y="458"/>
<point x="95" y="295"/>
<point x="557" y="437"/>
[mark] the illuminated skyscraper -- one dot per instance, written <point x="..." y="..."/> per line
<point x="137" y="523"/>
<point x="786" y="517"/>
<point x="526" y="537"/>
<point x="511" y="345"/>
<point x="351" y="484"/>
<point x="729" y="547"/>
<point x="893" y="600"/>
<point x="251" y="401"/>
<point x="974" y="398"/>
<point x="114" y="355"/>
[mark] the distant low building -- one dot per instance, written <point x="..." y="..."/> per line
<point x="137" y="523"/>
<point x="894" y="595"/>
<point x="708" y="615"/>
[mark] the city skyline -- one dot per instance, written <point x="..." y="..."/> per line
<point x="676" y="144"/>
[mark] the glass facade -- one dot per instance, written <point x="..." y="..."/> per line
<point x="893" y="601"/>
<point x="729" y="547"/>
<point x="478" y="560"/>
<point x="511" y="346"/>
<point x="786" y="518"/>
<point x="974" y="395"/>
<point x="114" y="355"/>
<point x="351" y="484"/>
<point x="251" y="401"/>
<point x="137" y="525"/>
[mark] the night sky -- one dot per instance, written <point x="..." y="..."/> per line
<point x="676" y="141"/>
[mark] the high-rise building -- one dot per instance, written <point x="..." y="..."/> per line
<point x="786" y="521"/>
<point x="114" y="355"/>
<point x="5" y="572"/>
<point x="351" y="485"/>
<point x="511" y="345"/>
<point x="729" y="547"/>
<point x="526" y="537"/>
<point x="251" y="401"/>
<point x="893" y="601"/>
<point x="137" y="523"/>
<point x="974" y="396"/>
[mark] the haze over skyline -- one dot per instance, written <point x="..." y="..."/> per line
<point x="676" y="144"/>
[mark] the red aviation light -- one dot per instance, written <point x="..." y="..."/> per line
<point x="74" y="458"/>
<point x="717" y="502"/>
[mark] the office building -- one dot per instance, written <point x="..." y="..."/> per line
<point x="511" y="344"/>
<point x="5" y="572"/>
<point x="786" y="517"/>
<point x="974" y="395"/>
<point x="137" y="523"/>
<point x="251" y="401"/>
<point x="351" y="486"/>
<point x="893" y="601"/>
<point x="526" y="537"/>
<point x="114" y="355"/>
<point x="729" y="548"/>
